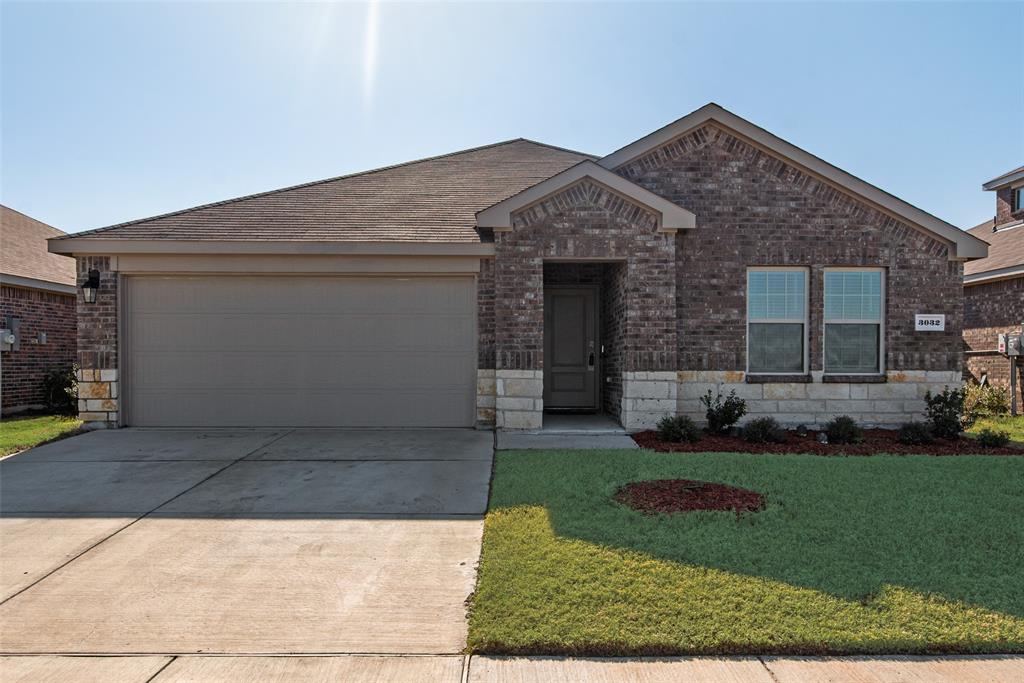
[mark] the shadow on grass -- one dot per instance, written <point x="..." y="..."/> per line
<point x="846" y="526"/>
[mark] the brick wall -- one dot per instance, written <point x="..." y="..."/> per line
<point x="1004" y="207"/>
<point x="613" y="330"/>
<point x="585" y="221"/>
<point x="991" y="309"/>
<point x="485" y="315"/>
<point x="754" y="209"/>
<point x="23" y="370"/>
<point x="98" y="395"/>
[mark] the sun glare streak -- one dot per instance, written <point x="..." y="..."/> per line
<point x="370" y="52"/>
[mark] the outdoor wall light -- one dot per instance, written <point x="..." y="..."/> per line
<point x="90" y="286"/>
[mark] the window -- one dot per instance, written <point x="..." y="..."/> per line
<point x="1018" y="199"/>
<point x="777" y="321"/>
<point x="853" y="321"/>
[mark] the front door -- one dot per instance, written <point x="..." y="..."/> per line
<point x="570" y="348"/>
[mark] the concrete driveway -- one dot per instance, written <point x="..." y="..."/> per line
<point x="242" y="542"/>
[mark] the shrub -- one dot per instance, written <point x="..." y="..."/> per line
<point x="722" y="415"/>
<point x="993" y="438"/>
<point x="946" y="413"/>
<point x="985" y="400"/>
<point x="764" y="430"/>
<point x="844" y="429"/>
<point x="915" y="434"/>
<point x="677" y="428"/>
<point x="60" y="389"/>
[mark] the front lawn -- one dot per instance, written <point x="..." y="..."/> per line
<point x="850" y="555"/>
<point x="19" y="433"/>
<point x="1014" y="426"/>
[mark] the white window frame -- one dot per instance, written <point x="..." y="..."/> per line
<point x="1017" y="199"/>
<point x="839" y="321"/>
<point x="805" y="321"/>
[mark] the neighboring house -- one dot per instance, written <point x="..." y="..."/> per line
<point x="37" y="304"/>
<point x="489" y="285"/>
<point x="994" y="286"/>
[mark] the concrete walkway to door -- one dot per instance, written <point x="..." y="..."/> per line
<point x="175" y="542"/>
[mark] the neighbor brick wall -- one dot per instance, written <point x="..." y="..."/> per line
<point x="585" y="221"/>
<point x="754" y="209"/>
<point x="97" y="345"/>
<point x="23" y="370"/>
<point x="613" y="330"/>
<point x="991" y="309"/>
<point x="1004" y="207"/>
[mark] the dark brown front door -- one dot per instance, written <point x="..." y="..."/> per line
<point x="570" y="348"/>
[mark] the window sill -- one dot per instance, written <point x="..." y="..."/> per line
<point x="854" y="379"/>
<point x="778" y="379"/>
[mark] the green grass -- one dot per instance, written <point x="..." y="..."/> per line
<point x="1013" y="425"/>
<point x="851" y="555"/>
<point x="19" y="433"/>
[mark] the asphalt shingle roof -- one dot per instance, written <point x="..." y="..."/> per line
<point x="1006" y="248"/>
<point x="23" y="250"/>
<point x="431" y="200"/>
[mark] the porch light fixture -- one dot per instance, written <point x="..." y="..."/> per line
<point x="90" y="286"/>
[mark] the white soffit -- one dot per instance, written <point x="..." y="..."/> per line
<point x="965" y="246"/>
<point x="499" y="216"/>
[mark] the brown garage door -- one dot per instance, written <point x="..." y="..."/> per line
<point x="300" y="351"/>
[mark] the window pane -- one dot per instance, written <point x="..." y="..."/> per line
<point x="776" y="295"/>
<point x="851" y="348"/>
<point x="776" y="347"/>
<point x="853" y="296"/>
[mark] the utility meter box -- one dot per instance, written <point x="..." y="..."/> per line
<point x="1013" y="345"/>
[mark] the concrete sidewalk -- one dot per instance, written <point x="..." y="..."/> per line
<point x="458" y="669"/>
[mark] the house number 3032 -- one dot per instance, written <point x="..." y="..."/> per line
<point x="929" y="323"/>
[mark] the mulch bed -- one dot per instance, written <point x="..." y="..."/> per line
<point x="683" y="495"/>
<point x="876" y="441"/>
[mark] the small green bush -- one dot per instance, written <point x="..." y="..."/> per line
<point x="60" y="390"/>
<point x="985" y="401"/>
<point x="844" y="429"/>
<point x="764" y="430"/>
<point x="916" y="434"/>
<point x="722" y="415"/>
<point x="993" y="438"/>
<point x="677" y="429"/>
<point x="946" y="413"/>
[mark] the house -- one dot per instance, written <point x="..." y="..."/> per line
<point x="994" y="286"/>
<point x="37" y="307"/>
<point x="490" y="285"/>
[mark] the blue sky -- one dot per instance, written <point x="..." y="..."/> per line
<point x="116" y="111"/>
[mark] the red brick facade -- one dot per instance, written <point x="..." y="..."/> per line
<point x="991" y="309"/>
<point x="752" y="209"/>
<point x="1004" y="207"/>
<point x="586" y="221"/>
<point x="97" y="322"/>
<point x="23" y="370"/>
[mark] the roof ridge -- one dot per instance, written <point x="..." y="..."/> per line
<point x="311" y="183"/>
<point x="592" y="157"/>
<point x="32" y="218"/>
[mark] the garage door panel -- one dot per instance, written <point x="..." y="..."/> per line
<point x="301" y="351"/>
<point x="201" y="333"/>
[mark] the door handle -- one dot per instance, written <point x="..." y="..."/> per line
<point x="590" y="361"/>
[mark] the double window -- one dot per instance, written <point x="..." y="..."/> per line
<point x="777" y="321"/>
<point x="777" y="315"/>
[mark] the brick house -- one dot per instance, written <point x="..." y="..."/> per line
<point x="37" y="304"/>
<point x="494" y="285"/>
<point x="994" y="286"/>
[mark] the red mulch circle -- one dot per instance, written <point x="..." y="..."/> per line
<point x="683" y="495"/>
<point x="876" y="441"/>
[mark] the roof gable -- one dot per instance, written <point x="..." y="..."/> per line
<point x="965" y="246"/>
<point x="671" y="216"/>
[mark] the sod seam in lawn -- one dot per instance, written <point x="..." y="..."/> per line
<point x="898" y="554"/>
